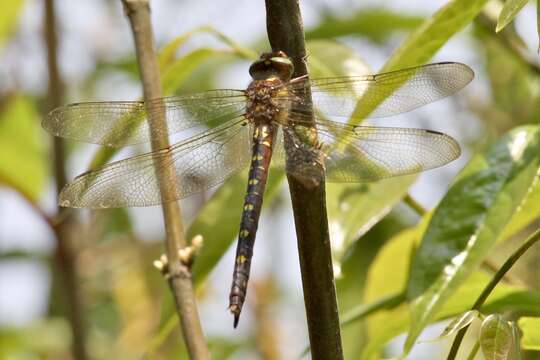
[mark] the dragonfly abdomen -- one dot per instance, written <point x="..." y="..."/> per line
<point x="263" y="137"/>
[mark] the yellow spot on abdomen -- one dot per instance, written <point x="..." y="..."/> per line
<point x="241" y="259"/>
<point x="253" y="182"/>
<point x="248" y="207"/>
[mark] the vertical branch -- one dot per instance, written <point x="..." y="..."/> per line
<point x="64" y="254"/>
<point x="285" y="32"/>
<point x="179" y="275"/>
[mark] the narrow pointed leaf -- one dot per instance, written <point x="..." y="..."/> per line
<point x="377" y="24"/>
<point x="508" y="13"/>
<point x="469" y="220"/>
<point x="458" y="323"/>
<point x="422" y="44"/>
<point x="496" y="338"/>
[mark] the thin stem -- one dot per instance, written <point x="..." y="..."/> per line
<point x="474" y="350"/>
<point x="415" y="205"/>
<point x="385" y="303"/>
<point x="285" y="33"/>
<point x="179" y="275"/>
<point x="531" y="240"/>
<point x="64" y="254"/>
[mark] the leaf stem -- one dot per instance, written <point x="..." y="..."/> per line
<point x="531" y="240"/>
<point x="179" y="275"/>
<point x="285" y="32"/>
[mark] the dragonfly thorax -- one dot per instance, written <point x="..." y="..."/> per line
<point x="262" y="105"/>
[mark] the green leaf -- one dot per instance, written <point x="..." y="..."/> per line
<point x="421" y="45"/>
<point x="530" y="326"/>
<point x="469" y="220"/>
<point x="8" y="18"/>
<point x="378" y="24"/>
<point x="459" y="323"/>
<point x="495" y="338"/>
<point x="178" y="70"/>
<point x="354" y="208"/>
<point x="329" y="58"/>
<point x="22" y="156"/>
<point x="386" y="324"/>
<point x="509" y="12"/>
<point x="528" y="212"/>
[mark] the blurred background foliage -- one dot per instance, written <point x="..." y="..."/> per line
<point x="396" y="243"/>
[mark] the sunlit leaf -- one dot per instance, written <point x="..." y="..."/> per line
<point x="530" y="327"/>
<point x="8" y="18"/>
<point x="388" y="276"/>
<point x="528" y="212"/>
<point x="388" y="323"/>
<point x="509" y="11"/>
<point x="495" y="338"/>
<point x="353" y="271"/>
<point x="22" y="157"/>
<point x="469" y="220"/>
<point x="378" y="24"/>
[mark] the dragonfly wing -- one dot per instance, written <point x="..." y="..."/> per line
<point x="367" y="153"/>
<point x="120" y="123"/>
<point x="381" y="95"/>
<point x="196" y="164"/>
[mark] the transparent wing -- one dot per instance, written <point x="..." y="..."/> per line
<point x="379" y="95"/>
<point x="120" y="123"/>
<point x="199" y="163"/>
<point x="364" y="153"/>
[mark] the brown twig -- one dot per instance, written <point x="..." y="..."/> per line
<point x="64" y="254"/>
<point x="179" y="275"/>
<point x="285" y="32"/>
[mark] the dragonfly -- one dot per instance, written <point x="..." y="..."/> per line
<point x="299" y="123"/>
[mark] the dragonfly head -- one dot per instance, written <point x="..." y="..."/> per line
<point x="275" y="64"/>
